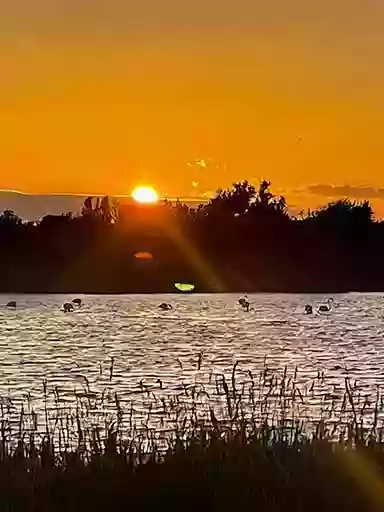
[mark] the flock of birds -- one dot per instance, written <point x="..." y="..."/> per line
<point x="322" y="308"/>
<point x="68" y="307"/>
<point x="244" y="303"/>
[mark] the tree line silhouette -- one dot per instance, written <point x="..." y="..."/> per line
<point x="242" y="240"/>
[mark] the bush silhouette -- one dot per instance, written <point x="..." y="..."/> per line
<point x="244" y="238"/>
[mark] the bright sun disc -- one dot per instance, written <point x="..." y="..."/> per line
<point x="145" y="195"/>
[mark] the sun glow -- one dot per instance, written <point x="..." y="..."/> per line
<point x="147" y="195"/>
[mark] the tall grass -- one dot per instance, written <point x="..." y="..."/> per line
<point x="283" y="403"/>
<point x="243" y="441"/>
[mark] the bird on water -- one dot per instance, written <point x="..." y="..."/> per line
<point x="165" y="307"/>
<point x="325" y="308"/>
<point x="244" y="303"/>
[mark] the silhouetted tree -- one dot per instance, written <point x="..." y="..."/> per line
<point x="9" y="217"/>
<point x="244" y="237"/>
<point x="232" y="202"/>
<point x="344" y="214"/>
<point x="87" y="210"/>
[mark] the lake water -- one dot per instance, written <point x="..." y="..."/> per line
<point x="159" y="351"/>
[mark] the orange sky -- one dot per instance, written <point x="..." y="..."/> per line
<point x="97" y="96"/>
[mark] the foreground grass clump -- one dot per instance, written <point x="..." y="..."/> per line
<point x="236" y="441"/>
<point x="212" y="470"/>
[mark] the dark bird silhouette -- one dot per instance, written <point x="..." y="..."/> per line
<point x="244" y="303"/>
<point x="77" y="302"/>
<point x="11" y="304"/>
<point x="67" y="307"/>
<point x="165" y="307"/>
<point x="325" y="308"/>
<point x="308" y="309"/>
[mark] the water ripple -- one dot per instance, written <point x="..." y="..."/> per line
<point x="38" y="341"/>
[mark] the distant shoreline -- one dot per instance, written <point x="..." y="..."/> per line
<point x="244" y="240"/>
<point x="198" y="292"/>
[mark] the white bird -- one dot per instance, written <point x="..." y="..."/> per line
<point x="324" y="308"/>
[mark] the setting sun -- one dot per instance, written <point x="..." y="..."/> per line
<point x="145" y="195"/>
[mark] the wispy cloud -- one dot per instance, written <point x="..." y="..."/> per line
<point x="351" y="191"/>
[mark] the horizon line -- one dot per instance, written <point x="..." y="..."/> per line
<point x="85" y="195"/>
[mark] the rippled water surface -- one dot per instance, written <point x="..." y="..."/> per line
<point x="157" y="348"/>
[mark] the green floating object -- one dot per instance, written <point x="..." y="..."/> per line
<point x="183" y="287"/>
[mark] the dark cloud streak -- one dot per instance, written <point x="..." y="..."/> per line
<point x="350" y="191"/>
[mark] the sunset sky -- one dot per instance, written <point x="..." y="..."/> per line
<point x="97" y="96"/>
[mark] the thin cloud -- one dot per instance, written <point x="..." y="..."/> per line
<point x="350" y="191"/>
